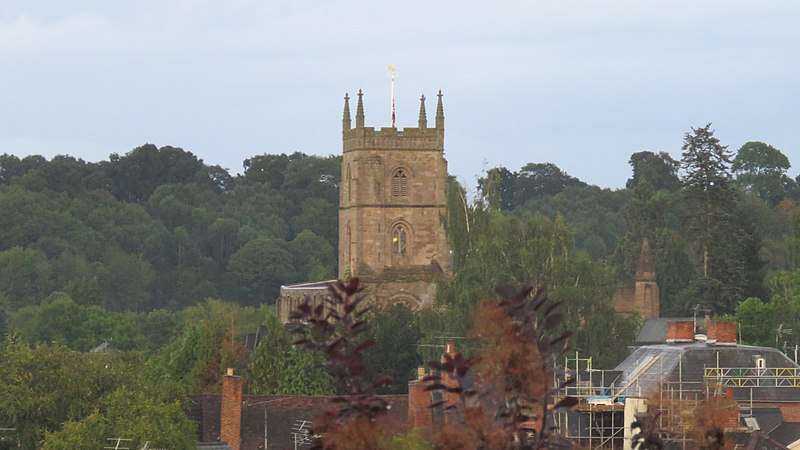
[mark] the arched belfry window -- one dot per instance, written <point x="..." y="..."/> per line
<point x="399" y="183"/>
<point x="400" y="240"/>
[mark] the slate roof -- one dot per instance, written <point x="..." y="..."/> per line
<point x="768" y="418"/>
<point x="654" y="331"/>
<point x="322" y="285"/>
<point x="649" y="366"/>
<point x="786" y="433"/>
<point x="752" y="440"/>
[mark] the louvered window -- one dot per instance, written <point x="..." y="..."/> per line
<point x="399" y="183"/>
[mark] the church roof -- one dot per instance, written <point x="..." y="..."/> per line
<point x="310" y="285"/>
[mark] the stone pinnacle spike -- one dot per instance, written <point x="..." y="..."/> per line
<point x="440" y="112"/>
<point x="423" y="117"/>
<point x="346" y="113"/>
<point x="360" y="111"/>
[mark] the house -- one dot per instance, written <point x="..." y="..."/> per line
<point x="751" y="389"/>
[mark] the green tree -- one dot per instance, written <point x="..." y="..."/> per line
<point x="131" y="413"/>
<point x="258" y="269"/>
<point x="495" y="249"/>
<point x="707" y="178"/>
<point x="60" y="320"/>
<point x="125" y="280"/>
<point x="314" y="256"/>
<point x="659" y="170"/>
<point x="498" y="188"/>
<point x="46" y="385"/>
<point x="757" y="321"/>
<point x="761" y="169"/>
<point x="25" y="276"/>
<point x="396" y="334"/>
<point x="728" y="243"/>
<point x="277" y="367"/>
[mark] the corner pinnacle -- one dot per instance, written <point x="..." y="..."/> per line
<point x="360" y="111"/>
<point x="346" y="113"/>
<point x="439" y="112"/>
<point x="423" y="117"/>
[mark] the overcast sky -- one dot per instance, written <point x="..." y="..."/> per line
<point x="582" y="84"/>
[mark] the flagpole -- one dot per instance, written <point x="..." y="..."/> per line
<point x="391" y="76"/>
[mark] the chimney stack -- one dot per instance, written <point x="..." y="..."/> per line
<point x="420" y="414"/>
<point x="231" y="411"/>
<point x="680" y="331"/>
<point x="722" y="333"/>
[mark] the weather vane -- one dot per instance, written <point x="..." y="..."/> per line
<point x="391" y="76"/>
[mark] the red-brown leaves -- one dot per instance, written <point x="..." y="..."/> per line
<point x="497" y="395"/>
<point x="334" y="329"/>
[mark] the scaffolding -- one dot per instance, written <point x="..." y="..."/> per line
<point x="597" y="421"/>
<point x="657" y="383"/>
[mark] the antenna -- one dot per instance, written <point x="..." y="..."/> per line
<point x="391" y="76"/>
<point x="300" y="434"/>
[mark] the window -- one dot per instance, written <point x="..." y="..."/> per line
<point x="399" y="183"/>
<point x="399" y="240"/>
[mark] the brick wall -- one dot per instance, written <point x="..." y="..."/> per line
<point x="791" y="411"/>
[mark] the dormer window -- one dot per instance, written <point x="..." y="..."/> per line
<point x="399" y="183"/>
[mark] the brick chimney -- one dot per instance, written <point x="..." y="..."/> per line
<point x="680" y="331"/>
<point x="231" y="411"/>
<point x="420" y="414"/>
<point x="722" y="333"/>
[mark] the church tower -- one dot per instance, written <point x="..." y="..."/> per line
<point x="391" y="207"/>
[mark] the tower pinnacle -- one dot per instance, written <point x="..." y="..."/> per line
<point x="439" y="112"/>
<point x="360" y="111"/>
<point x="346" y="113"/>
<point x="423" y="117"/>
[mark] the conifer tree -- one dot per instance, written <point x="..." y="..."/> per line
<point x="707" y="177"/>
<point x="729" y="244"/>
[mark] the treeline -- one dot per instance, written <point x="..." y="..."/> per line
<point x="158" y="228"/>
<point x="723" y="226"/>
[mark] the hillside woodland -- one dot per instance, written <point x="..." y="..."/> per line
<point x="171" y="262"/>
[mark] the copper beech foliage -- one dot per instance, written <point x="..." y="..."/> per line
<point x="334" y="329"/>
<point x="497" y="400"/>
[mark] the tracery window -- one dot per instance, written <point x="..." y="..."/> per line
<point x="399" y="183"/>
<point x="399" y="240"/>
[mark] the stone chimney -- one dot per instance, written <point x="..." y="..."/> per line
<point x="231" y="413"/>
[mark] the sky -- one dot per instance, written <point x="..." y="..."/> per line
<point x="581" y="84"/>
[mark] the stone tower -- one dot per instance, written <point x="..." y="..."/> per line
<point x="643" y="299"/>
<point x="391" y="207"/>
